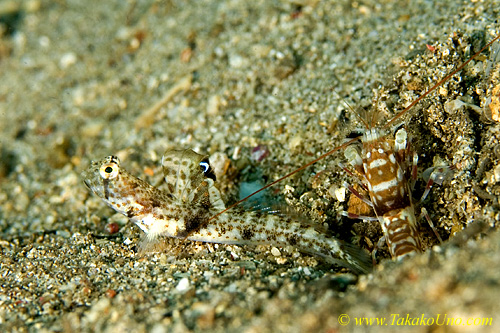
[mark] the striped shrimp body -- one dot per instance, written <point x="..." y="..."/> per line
<point x="386" y="169"/>
<point x="191" y="208"/>
<point x="387" y="175"/>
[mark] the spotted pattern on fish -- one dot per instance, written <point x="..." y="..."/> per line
<point x="187" y="207"/>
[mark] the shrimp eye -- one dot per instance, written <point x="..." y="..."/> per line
<point x="109" y="170"/>
<point x="207" y="170"/>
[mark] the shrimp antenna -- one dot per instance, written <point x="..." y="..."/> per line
<point x="358" y="116"/>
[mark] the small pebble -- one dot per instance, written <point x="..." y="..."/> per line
<point x="67" y="60"/>
<point x="275" y="252"/>
<point x="213" y="105"/>
<point x="496" y="172"/>
<point x="183" y="285"/>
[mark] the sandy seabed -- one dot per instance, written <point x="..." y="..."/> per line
<point x="81" y="80"/>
